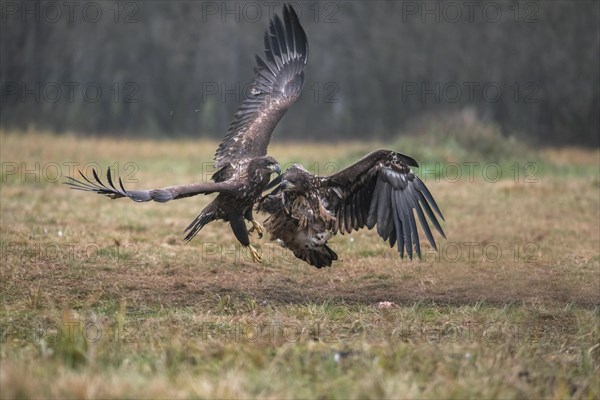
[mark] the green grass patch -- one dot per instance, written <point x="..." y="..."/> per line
<point x="102" y="299"/>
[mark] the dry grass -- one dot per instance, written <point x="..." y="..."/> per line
<point x="102" y="299"/>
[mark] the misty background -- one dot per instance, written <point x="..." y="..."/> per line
<point x="375" y="68"/>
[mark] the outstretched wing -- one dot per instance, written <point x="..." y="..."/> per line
<point x="160" y="195"/>
<point x="382" y="190"/>
<point x="276" y="86"/>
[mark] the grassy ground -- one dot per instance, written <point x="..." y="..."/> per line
<point x="102" y="298"/>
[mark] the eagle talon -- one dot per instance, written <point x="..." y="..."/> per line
<point x="255" y="256"/>
<point x="258" y="228"/>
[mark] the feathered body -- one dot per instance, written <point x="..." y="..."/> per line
<point x="300" y="221"/>
<point x="235" y="205"/>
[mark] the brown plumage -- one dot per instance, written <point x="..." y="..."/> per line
<point x="380" y="189"/>
<point x="276" y="86"/>
<point x="243" y="167"/>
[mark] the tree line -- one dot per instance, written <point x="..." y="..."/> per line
<point x="161" y="68"/>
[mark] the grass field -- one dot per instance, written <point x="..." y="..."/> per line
<point x="102" y="299"/>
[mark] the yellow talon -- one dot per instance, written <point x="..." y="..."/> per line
<point x="255" y="256"/>
<point x="258" y="228"/>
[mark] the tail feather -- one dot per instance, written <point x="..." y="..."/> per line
<point x="321" y="256"/>
<point x="207" y="215"/>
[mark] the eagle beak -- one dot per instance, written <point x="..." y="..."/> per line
<point x="275" y="168"/>
<point x="286" y="185"/>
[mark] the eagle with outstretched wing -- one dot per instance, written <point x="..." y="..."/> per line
<point x="243" y="168"/>
<point x="379" y="190"/>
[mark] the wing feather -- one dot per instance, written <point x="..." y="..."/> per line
<point x="410" y="229"/>
<point x="383" y="216"/>
<point x="424" y="223"/>
<point x="277" y="85"/>
<point x="396" y="213"/>
<point x="158" y="195"/>
<point x="381" y="190"/>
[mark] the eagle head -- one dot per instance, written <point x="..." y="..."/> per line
<point x="296" y="179"/>
<point x="263" y="167"/>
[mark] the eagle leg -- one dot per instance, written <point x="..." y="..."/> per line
<point x="255" y="256"/>
<point x="258" y="228"/>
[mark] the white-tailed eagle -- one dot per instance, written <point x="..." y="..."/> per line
<point x="244" y="169"/>
<point x="378" y="190"/>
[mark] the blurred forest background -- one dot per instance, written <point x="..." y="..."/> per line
<point x="375" y="68"/>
